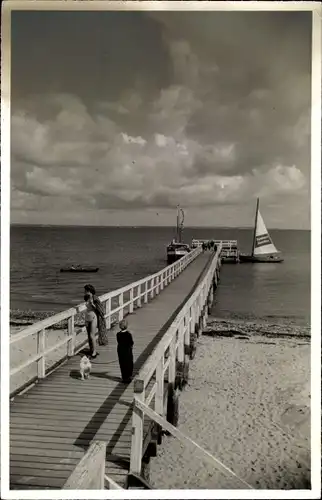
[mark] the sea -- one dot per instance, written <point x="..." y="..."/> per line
<point x="275" y="292"/>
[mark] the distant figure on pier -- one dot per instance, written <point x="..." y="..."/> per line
<point x="203" y="246"/>
<point x="99" y="311"/>
<point x="91" y="324"/>
<point x="125" y="351"/>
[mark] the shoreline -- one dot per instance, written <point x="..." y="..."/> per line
<point x="264" y="326"/>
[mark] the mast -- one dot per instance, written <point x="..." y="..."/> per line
<point x="180" y="212"/>
<point x="181" y="224"/>
<point x="254" y="236"/>
<point x="178" y="235"/>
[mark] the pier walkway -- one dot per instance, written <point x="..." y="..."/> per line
<point x="53" y="424"/>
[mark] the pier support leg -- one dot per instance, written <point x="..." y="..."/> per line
<point x="179" y="375"/>
<point x="173" y="406"/>
<point x="210" y="300"/>
<point x="193" y="345"/>
<point x="145" y="471"/>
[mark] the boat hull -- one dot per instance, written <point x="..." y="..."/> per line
<point x="68" y="270"/>
<point x="260" y="258"/>
<point x="173" y="257"/>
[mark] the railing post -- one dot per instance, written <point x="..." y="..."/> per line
<point x="139" y="301"/>
<point x="146" y="292"/>
<point x="137" y="430"/>
<point x="157" y="291"/>
<point x="152" y="288"/>
<point x="205" y="308"/>
<point x="41" y="346"/>
<point x="162" y="278"/>
<point x="173" y="358"/>
<point x="181" y="343"/>
<point x="121" y="302"/>
<point x="71" y="332"/>
<point x="192" y="319"/>
<point x="186" y="347"/>
<point x="131" y="308"/>
<point x="108" y="313"/>
<point x="187" y="334"/>
<point x="89" y="473"/>
<point x="159" y="407"/>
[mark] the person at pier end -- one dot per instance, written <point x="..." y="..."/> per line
<point x="125" y="351"/>
<point x="91" y="325"/>
<point x="99" y="311"/>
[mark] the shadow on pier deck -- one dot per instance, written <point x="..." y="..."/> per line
<point x="54" y="423"/>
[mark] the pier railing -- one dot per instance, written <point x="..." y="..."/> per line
<point x="173" y="350"/>
<point x="229" y="248"/>
<point x="117" y="303"/>
<point x="89" y="473"/>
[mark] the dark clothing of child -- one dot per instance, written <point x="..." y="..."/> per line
<point x="125" y="354"/>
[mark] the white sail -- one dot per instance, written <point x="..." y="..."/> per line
<point x="263" y="242"/>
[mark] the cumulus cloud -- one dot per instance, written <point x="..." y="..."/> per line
<point x="222" y="131"/>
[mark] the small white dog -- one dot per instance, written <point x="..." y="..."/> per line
<point x="85" y="367"/>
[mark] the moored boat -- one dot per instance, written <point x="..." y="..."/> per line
<point x="177" y="248"/>
<point x="79" y="269"/>
<point x="263" y="249"/>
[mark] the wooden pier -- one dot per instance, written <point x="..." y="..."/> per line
<point x="229" y="252"/>
<point x="61" y="426"/>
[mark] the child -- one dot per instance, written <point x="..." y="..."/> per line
<point x="125" y="352"/>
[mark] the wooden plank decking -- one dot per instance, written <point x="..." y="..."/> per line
<point x="53" y="424"/>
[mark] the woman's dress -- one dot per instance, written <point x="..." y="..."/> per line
<point x="101" y="322"/>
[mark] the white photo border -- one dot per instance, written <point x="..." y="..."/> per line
<point x="316" y="9"/>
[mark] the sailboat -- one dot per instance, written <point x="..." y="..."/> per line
<point x="177" y="249"/>
<point x="263" y="249"/>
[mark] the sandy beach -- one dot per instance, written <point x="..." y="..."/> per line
<point x="248" y="404"/>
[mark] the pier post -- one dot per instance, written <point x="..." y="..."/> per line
<point x="162" y="282"/>
<point x="152" y="289"/>
<point x="139" y="301"/>
<point x="210" y="299"/>
<point x="159" y="407"/>
<point x="173" y="400"/>
<point x="186" y="348"/>
<point x="137" y="430"/>
<point x="215" y="280"/>
<point x="108" y="313"/>
<point x="180" y="364"/>
<point x="121" y="302"/>
<point x="41" y="346"/>
<point x="71" y="333"/>
<point x="146" y="297"/>
<point x="131" y="307"/>
<point x="159" y="396"/>
<point x="205" y="317"/>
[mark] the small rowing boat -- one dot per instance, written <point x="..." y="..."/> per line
<point x="79" y="269"/>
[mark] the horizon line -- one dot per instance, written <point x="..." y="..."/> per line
<point x="25" y="224"/>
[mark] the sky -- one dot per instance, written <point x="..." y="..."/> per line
<point x="118" y="117"/>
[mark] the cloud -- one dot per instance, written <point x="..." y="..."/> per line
<point x="232" y="123"/>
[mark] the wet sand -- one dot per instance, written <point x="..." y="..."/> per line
<point x="248" y="404"/>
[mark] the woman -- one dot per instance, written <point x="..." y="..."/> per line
<point x="91" y="325"/>
<point x="99" y="311"/>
